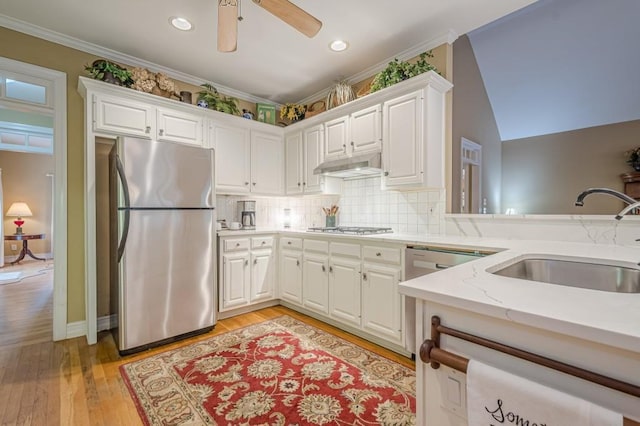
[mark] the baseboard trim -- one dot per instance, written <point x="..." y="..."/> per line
<point x="79" y="328"/>
<point x="248" y="308"/>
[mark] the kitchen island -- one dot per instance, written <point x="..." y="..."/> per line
<point x="594" y="330"/>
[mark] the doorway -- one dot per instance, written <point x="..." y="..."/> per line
<point x="33" y="123"/>
<point x="471" y="200"/>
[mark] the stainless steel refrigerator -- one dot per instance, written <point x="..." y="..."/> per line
<point x="163" y="242"/>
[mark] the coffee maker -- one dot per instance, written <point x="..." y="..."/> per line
<point x="247" y="211"/>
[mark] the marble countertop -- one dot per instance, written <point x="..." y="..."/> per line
<point x="610" y="318"/>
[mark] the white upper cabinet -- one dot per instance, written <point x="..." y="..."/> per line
<point x="233" y="158"/>
<point x="352" y="134"/>
<point x="179" y="126"/>
<point x="267" y="164"/>
<point x="313" y="145"/>
<point x="366" y="130"/>
<point x="402" y="155"/>
<point x="123" y="116"/>
<point x="294" y="166"/>
<point x="337" y="138"/>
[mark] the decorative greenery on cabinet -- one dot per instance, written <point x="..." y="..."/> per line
<point x="398" y="71"/>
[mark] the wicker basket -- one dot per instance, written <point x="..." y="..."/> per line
<point x="315" y="108"/>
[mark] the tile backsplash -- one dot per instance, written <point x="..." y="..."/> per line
<point x="362" y="203"/>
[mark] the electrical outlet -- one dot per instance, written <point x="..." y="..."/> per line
<point x="14" y="247"/>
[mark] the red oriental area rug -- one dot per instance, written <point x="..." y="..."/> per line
<point x="279" y="372"/>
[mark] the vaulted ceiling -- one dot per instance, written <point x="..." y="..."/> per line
<point x="560" y="65"/>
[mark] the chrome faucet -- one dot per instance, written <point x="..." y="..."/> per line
<point x="627" y="210"/>
<point x="607" y="191"/>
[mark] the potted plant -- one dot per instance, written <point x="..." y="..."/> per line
<point x="339" y="94"/>
<point x="110" y="72"/>
<point x="633" y="158"/>
<point x="210" y="98"/>
<point x="293" y="112"/>
<point x="397" y="71"/>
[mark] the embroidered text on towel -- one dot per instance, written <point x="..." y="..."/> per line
<point x="500" y="416"/>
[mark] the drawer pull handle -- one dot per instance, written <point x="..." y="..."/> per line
<point x="324" y="269"/>
<point x="147" y="129"/>
<point x="237" y="244"/>
<point x="255" y="261"/>
<point x="331" y="269"/>
<point x="161" y="132"/>
<point x="263" y="243"/>
<point x="297" y="263"/>
<point x="364" y="276"/>
<point x="289" y="242"/>
<point x="378" y="254"/>
<point x="441" y="266"/>
<point x="246" y="263"/>
<point x="246" y="183"/>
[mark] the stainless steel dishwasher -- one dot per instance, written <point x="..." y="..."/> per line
<point x="421" y="260"/>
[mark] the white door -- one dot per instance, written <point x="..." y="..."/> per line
<point x="262" y="275"/>
<point x="366" y="130"/>
<point x="313" y="156"/>
<point x="291" y="276"/>
<point x="336" y="138"/>
<point x="267" y="164"/>
<point x="178" y="126"/>
<point x="233" y="158"/>
<point x="315" y="283"/>
<point x="381" y="302"/>
<point x="293" y="163"/>
<point x="344" y="290"/>
<point x="402" y="140"/>
<point x="235" y="280"/>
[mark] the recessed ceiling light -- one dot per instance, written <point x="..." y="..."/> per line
<point x="180" y="23"/>
<point x="338" y="45"/>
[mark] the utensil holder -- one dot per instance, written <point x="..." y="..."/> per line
<point x="331" y="222"/>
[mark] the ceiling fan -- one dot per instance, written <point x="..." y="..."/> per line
<point x="282" y="9"/>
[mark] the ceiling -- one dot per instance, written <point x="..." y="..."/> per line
<point x="273" y="61"/>
<point x="561" y="65"/>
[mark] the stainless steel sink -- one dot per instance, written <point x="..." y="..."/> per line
<point x="594" y="276"/>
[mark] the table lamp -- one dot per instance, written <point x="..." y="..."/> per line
<point x="19" y="210"/>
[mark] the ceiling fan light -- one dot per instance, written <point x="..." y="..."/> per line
<point x="338" y="45"/>
<point x="181" y="23"/>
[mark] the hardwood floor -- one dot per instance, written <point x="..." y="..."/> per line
<point x="26" y="306"/>
<point x="71" y="383"/>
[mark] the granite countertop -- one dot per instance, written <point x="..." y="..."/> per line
<point x="606" y="317"/>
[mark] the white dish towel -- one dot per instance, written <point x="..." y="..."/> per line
<point x="495" y="397"/>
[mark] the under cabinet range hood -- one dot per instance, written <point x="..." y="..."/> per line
<point x="359" y="165"/>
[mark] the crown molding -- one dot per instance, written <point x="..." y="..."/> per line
<point x="447" y="38"/>
<point x="113" y="55"/>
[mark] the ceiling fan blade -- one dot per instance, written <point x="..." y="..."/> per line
<point x="227" y="25"/>
<point x="292" y="15"/>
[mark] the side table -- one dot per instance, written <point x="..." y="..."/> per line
<point x="25" y="244"/>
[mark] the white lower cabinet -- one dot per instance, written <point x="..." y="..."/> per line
<point x="291" y="276"/>
<point x="247" y="271"/>
<point x="344" y="290"/>
<point x="235" y="280"/>
<point x="381" y="302"/>
<point x="315" y="282"/>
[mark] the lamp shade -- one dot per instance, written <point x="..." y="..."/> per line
<point x="19" y="210"/>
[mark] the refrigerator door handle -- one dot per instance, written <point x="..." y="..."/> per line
<point x="127" y="204"/>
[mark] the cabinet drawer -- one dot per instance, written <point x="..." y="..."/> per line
<point x="382" y="254"/>
<point x="316" y="245"/>
<point x="261" y="242"/>
<point x="345" y="249"/>
<point x="291" y="243"/>
<point x="236" y="244"/>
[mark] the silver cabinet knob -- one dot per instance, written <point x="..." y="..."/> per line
<point x="324" y="269"/>
<point x="246" y="263"/>
<point x="289" y="242"/>
<point x="378" y="254"/>
<point x="147" y="130"/>
<point x="386" y="173"/>
<point x="331" y="269"/>
<point x="364" y="276"/>
<point x="255" y="261"/>
<point x="161" y="131"/>
<point x="254" y="184"/>
<point x="297" y="263"/>
<point x="246" y="183"/>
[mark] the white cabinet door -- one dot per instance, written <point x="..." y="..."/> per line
<point x="381" y="302"/>
<point x="293" y="163"/>
<point x="267" y="164"/>
<point x="263" y="275"/>
<point x="315" y="283"/>
<point x="291" y="276"/>
<point x="235" y="280"/>
<point x="123" y="117"/>
<point x="366" y="130"/>
<point x="313" y="156"/>
<point x="402" y="140"/>
<point x="344" y="290"/>
<point x="178" y="126"/>
<point x="233" y="158"/>
<point x="336" y="138"/>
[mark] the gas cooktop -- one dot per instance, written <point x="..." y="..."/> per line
<point x="358" y="230"/>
